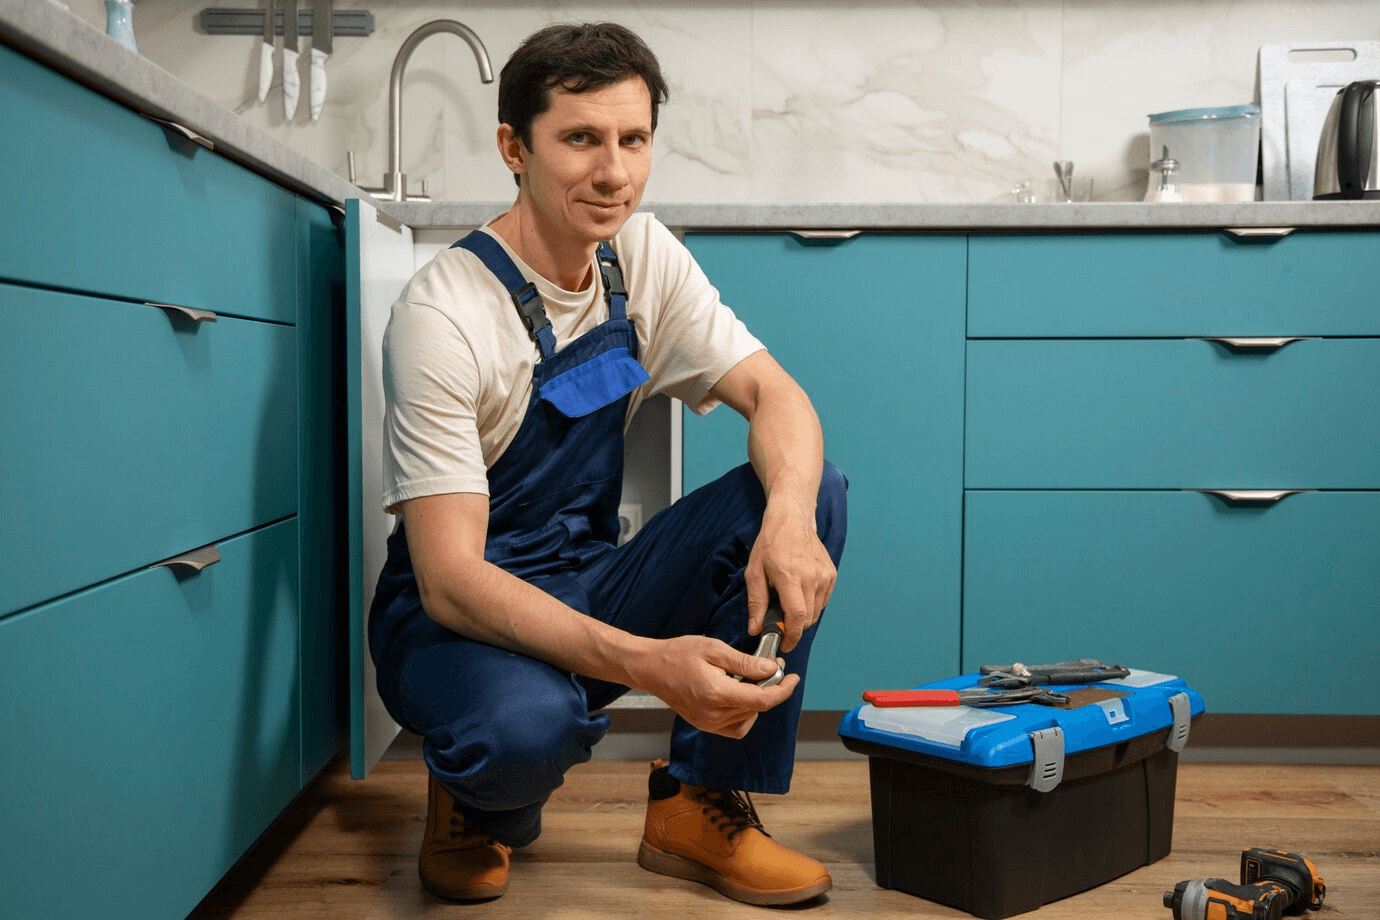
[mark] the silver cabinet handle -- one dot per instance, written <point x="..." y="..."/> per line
<point x="824" y="234"/>
<point x="195" y="561"/>
<point x="1255" y="343"/>
<point x="1252" y="496"/>
<point x="184" y="131"/>
<point x="196" y="316"/>
<point x="1273" y="233"/>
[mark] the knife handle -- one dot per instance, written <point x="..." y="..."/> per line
<point x="318" y="82"/>
<point x="292" y="83"/>
<point x="889" y="698"/>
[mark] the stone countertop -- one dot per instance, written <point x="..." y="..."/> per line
<point x="1259" y="216"/>
<point x="47" y="32"/>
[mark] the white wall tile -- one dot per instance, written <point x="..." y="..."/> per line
<point x="807" y="101"/>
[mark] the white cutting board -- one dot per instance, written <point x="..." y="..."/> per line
<point x="1297" y="84"/>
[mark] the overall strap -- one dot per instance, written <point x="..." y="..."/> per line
<point x="523" y="292"/>
<point x="615" y="294"/>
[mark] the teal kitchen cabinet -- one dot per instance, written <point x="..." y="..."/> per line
<point x="1171" y="284"/>
<point x="1263" y="609"/>
<point x="1172" y="413"/>
<point x="178" y="446"/>
<point x="153" y="732"/>
<point x="119" y="205"/>
<point x="872" y="328"/>
<point x="170" y="333"/>
<point x="1170" y="461"/>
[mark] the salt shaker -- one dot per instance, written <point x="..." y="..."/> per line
<point x="1164" y="180"/>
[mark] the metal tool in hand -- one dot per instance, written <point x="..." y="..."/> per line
<point x="773" y="628"/>
<point x="1078" y="671"/>
<point x="979" y="698"/>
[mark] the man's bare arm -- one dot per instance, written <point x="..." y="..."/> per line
<point x="786" y="448"/>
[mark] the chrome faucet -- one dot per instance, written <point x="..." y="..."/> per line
<point x="394" y="182"/>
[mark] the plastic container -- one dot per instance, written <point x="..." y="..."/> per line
<point x="999" y="811"/>
<point x="1217" y="150"/>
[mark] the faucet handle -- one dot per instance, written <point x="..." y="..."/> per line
<point x="424" y="196"/>
<point x="380" y="192"/>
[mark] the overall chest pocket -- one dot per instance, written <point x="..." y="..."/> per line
<point x="594" y="384"/>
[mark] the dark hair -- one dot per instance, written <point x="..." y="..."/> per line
<point x="576" y="58"/>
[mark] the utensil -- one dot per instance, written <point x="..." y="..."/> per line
<point x="322" y="39"/>
<point x="1064" y="170"/>
<point x="1348" y="166"/>
<point x="292" y="80"/>
<point x="266" y="52"/>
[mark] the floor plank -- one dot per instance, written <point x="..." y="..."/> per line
<point x="347" y="850"/>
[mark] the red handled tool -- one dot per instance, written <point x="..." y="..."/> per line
<point x="889" y="698"/>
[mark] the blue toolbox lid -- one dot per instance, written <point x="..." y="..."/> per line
<point x="1025" y="733"/>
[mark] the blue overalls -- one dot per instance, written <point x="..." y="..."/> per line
<point x="500" y="729"/>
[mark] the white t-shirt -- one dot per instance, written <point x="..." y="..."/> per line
<point x="457" y="359"/>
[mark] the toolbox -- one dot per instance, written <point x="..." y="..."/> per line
<point x="999" y="810"/>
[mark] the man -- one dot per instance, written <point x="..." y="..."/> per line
<point x="506" y="617"/>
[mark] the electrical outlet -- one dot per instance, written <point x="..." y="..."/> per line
<point x="629" y="521"/>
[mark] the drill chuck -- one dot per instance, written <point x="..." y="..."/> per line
<point x="1219" y="899"/>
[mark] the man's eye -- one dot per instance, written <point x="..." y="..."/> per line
<point x="634" y="140"/>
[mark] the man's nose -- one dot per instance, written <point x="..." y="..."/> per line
<point x="611" y="172"/>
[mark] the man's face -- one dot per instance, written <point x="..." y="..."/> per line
<point x="589" y="161"/>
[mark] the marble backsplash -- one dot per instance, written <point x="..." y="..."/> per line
<point x="878" y="101"/>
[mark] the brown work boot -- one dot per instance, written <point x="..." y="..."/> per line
<point x="458" y="863"/>
<point x="714" y="836"/>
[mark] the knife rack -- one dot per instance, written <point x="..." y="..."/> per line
<point x="229" y="21"/>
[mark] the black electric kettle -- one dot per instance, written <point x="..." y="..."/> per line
<point x="1349" y="148"/>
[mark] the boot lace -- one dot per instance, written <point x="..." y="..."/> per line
<point x="466" y="837"/>
<point x="730" y="810"/>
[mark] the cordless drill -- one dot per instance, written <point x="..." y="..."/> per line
<point x="1273" y="883"/>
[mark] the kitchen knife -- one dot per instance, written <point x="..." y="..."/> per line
<point x="322" y="33"/>
<point x="292" y="81"/>
<point x="266" y="52"/>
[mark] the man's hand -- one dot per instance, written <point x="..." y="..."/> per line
<point x="698" y="678"/>
<point x="788" y="558"/>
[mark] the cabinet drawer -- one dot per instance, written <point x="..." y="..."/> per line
<point x="101" y="200"/>
<point x="151" y="730"/>
<point x="1267" y="610"/>
<point x="132" y="436"/>
<point x="1172" y="284"/>
<point x="1172" y="414"/>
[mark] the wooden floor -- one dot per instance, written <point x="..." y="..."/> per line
<point x="347" y="851"/>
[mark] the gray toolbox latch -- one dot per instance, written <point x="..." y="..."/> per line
<point x="1047" y="769"/>
<point x="1183" y="713"/>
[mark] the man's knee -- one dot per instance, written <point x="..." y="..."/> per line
<point x="521" y="752"/>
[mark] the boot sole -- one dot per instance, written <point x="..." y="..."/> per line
<point x="465" y="894"/>
<point x="663" y="863"/>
